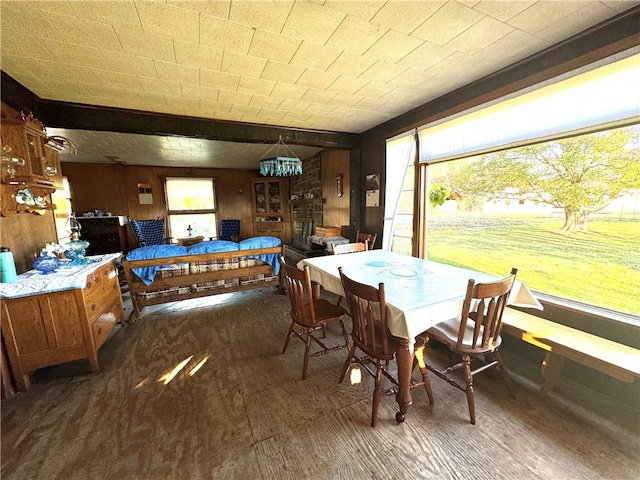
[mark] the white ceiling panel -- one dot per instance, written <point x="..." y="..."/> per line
<point x="329" y="65"/>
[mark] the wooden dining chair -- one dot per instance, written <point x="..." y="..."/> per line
<point x="371" y="336"/>
<point x="310" y="313"/>
<point x="369" y="239"/>
<point x="474" y="334"/>
<point x="348" y="248"/>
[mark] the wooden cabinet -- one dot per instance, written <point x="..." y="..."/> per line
<point x="270" y="212"/>
<point x="104" y="234"/>
<point x="28" y="182"/>
<point x="57" y="327"/>
<point x="52" y="158"/>
<point x="26" y="136"/>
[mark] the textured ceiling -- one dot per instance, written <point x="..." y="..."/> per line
<point x="341" y="66"/>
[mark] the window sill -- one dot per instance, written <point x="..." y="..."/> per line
<point x="602" y="313"/>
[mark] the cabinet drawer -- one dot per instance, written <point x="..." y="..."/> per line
<point x="94" y="282"/>
<point x="102" y="298"/>
<point x="105" y="322"/>
<point x="268" y="227"/>
<point x="104" y="279"/>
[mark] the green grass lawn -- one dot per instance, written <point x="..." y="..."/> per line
<point x="600" y="267"/>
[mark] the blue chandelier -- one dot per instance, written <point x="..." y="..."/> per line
<point x="283" y="164"/>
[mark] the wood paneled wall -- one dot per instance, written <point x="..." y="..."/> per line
<point x="114" y="188"/>
<point x="25" y="234"/>
<point x="335" y="210"/>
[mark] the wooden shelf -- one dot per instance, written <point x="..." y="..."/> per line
<point x="9" y="205"/>
<point x="308" y="201"/>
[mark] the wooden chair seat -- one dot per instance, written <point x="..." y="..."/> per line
<point x="447" y="333"/>
<point x="324" y="312"/>
<point x="371" y="350"/>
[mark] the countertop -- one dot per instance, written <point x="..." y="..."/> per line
<point x="65" y="277"/>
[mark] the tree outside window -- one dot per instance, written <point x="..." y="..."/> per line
<point x="565" y="212"/>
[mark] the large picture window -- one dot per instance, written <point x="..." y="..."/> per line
<point x="555" y="194"/>
<point x="191" y="207"/>
<point x="565" y="213"/>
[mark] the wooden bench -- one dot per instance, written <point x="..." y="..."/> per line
<point x="560" y="342"/>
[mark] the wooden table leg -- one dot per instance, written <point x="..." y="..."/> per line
<point x="405" y="364"/>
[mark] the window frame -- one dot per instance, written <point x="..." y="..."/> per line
<point x="422" y="172"/>
<point x="207" y="211"/>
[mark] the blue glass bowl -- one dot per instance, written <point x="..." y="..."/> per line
<point x="46" y="264"/>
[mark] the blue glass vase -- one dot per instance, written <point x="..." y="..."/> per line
<point x="75" y="251"/>
<point x="46" y="264"/>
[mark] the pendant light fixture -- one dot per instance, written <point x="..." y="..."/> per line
<point x="281" y="163"/>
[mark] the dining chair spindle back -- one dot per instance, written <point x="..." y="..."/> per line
<point x="310" y="313"/>
<point x="371" y="336"/>
<point x="369" y="239"/>
<point x="348" y="248"/>
<point x="474" y="334"/>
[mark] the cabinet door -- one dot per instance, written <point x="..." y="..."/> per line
<point x="52" y="158"/>
<point x="275" y="198"/>
<point x="45" y="323"/>
<point x="36" y="154"/>
<point x="13" y="138"/>
<point x="260" y="198"/>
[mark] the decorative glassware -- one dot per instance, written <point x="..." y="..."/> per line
<point x="46" y="263"/>
<point x="75" y="252"/>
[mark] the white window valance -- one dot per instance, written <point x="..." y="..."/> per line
<point x="605" y="96"/>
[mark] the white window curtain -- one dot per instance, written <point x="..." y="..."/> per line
<point x="400" y="152"/>
<point x="605" y="96"/>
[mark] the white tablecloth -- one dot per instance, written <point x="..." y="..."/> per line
<point x="419" y="293"/>
<point x="34" y="282"/>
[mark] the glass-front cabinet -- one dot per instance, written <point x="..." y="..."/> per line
<point x="270" y="208"/>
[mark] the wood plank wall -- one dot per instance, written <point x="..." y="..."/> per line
<point x="25" y="234"/>
<point x="114" y="188"/>
<point x="335" y="210"/>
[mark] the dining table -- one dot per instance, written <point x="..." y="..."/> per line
<point x="419" y="294"/>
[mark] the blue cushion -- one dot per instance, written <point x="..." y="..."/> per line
<point x="149" y="232"/>
<point x="146" y="274"/>
<point x="272" y="259"/>
<point x="259" y="242"/>
<point x="229" y="229"/>
<point x="213" y="247"/>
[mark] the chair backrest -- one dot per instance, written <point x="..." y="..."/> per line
<point x="301" y="293"/>
<point x="369" y="239"/>
<point x="149" y="232"/>
<point x="484" y="304"/>
<point x="348" y="248"/>
<point x="368" y="309"/>
<point x="229" y="230"/>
